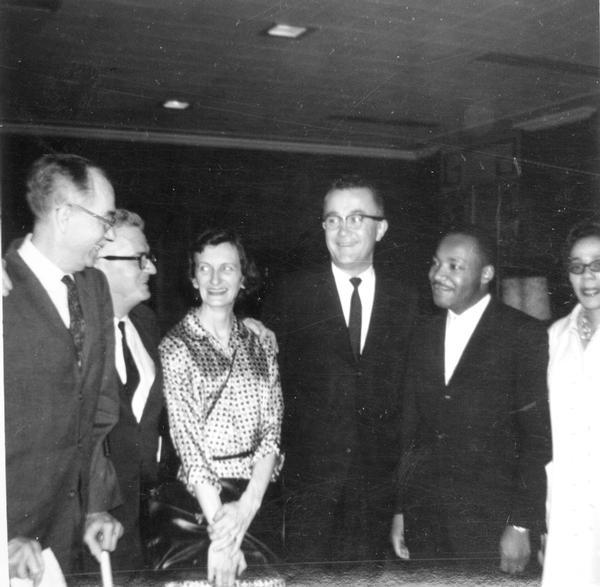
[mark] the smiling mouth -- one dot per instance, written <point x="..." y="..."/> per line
<point x="590" y="292"/>
<point x="440" y="287"/>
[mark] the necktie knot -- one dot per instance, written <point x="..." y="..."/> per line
<point x="355" y="281"/>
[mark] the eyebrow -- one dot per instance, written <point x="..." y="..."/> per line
<point x="359" y="211"/>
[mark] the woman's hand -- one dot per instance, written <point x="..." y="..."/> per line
<point x="224" y="565"/>
<point x="230" y="523"/>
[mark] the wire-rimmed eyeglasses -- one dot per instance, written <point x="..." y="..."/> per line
<point x="352" y="221"/>
<point x="107" y="222"/>
<point x="143" y="260"/>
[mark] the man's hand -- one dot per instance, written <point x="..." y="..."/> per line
<point x="25" y="559"/>
<point x="397" y="537"/>
<point x="515" y="550"/>
<point x="6" y="282"/>
<point x="225" y="565"/>
<point x="102" y="532"/>
<point x="261" y="331"/>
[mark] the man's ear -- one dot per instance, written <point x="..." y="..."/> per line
<point x="487" y="274"/>
<point x="381" y="229"/>
<point x="61" y="217"/>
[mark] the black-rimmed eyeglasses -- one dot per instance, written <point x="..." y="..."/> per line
<point x="352" y="221"/>
<point x="577" y="268"/>
<point x="143" y="260"/>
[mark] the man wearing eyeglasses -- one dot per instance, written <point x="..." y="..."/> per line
<point x="60" y="388"/>
<point x="343" y="335"/>
<point x="134" y="442"/>
<point x="476" y="431"/>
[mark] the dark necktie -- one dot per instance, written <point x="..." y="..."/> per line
<point x="354" y="323"/>
<point x="131" y="370"/>
<point x="76" y="320"/>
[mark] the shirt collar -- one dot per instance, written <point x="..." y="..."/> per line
<point x="472" y="314"/>
<point x="44" y="269"/>
<point x="343" y="279"/>
<point x="122" y="319"/>
<point x="574" y="317"/>
<point x="196" y="330"/>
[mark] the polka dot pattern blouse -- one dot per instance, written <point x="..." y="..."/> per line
<point x="225" y="405"/>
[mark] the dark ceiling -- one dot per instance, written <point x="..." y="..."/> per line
<point x="372" y="76"/>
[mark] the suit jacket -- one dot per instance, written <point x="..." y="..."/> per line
<point x="56" y="414"/>
<point x="476" y="448"/>
<point x="133" y="445"/>
<point x="341" y="415"/>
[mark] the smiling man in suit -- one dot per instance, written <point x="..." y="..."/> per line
<point x="343" y="335"/>
<point x="476" y="433"/>
<point x="60" y="385"/>
<point x="134" y="441"/>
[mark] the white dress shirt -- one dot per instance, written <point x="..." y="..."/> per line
<point x="366" y="292"/>
<point x="49" y="275"/>
<point x="143" y="361"/>
<point x="459" y="329"/>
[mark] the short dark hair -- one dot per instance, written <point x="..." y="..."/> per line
<point x="348" y="182"/>
<point x="581" y="230"/>
<point x="485" y="243"/>
<point x="216" y="236"/>
<point x="46" y="175"/>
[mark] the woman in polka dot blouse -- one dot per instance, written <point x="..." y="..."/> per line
<point x="224" y="400"/>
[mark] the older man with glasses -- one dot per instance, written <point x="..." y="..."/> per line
<point x="134" y="441"/>
<point x="61" y="394"/>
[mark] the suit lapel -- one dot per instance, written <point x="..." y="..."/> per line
<point x="476" y="343"/>
<point x="378" y="326"/>
<point x="40" y="300"/>
<point x="437" y="347"/>
<point x="152" y="350"/>
<point x="331" y="306"/>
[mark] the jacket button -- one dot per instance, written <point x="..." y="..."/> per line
<point x="72" y="493"/>
<point x="348" y="450"/>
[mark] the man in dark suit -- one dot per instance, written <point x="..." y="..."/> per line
<point x="475" y="425"/>
<point x="343" y="335"/>
<point x="60" y="384"/>
<point x="134" y="441"/>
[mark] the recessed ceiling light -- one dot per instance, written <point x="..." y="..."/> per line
<point x="286" y="31"/>
<point x="175" y="105"/>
